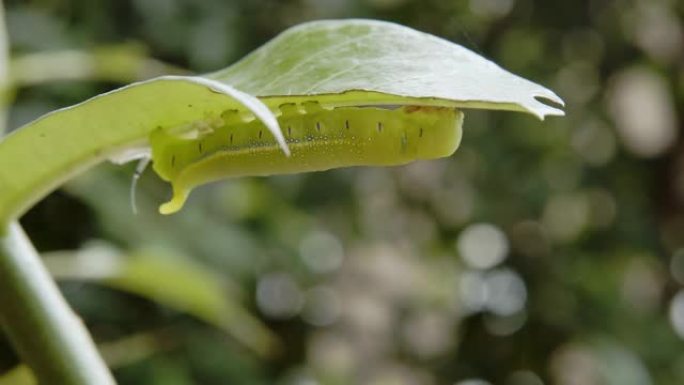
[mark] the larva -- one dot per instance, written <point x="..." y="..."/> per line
<point x="319" y="139"/>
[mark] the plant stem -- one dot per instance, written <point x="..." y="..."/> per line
<point x="42" y="327"/>
<point x="47" y="334"/>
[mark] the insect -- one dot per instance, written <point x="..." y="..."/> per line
<point x="318" y="138"/>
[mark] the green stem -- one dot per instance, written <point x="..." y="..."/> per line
<point x="50" y="338"/>
<point x="47" y="334"/>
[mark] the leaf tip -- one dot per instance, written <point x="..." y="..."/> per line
<point x="541" y="108"/>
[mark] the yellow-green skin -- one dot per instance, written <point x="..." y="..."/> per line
<point x="319" y="139"/>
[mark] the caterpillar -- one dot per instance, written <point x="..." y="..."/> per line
<point x="235" y="145"/>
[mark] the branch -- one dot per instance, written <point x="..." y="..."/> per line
<point x="41" y="325"/>
<point x="47" y="334"/>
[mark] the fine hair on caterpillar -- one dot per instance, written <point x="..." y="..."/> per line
<point x="235" y="144"/>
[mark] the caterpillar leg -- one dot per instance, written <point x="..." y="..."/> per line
<point x="180" y="195"/>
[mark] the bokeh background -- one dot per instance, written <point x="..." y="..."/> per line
<point x="540" y="253"/>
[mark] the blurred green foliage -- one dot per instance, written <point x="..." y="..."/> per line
<point x="540" y="253"/>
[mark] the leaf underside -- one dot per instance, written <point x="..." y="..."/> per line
<point x="337" y="63"/>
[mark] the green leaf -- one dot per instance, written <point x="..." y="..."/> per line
<point x="20" y="375"/>
<point x="171" y="281"/>
<point x="40" y="156"/>
<point x="360" y="62"/>
<point x="128" y="62"/>
<point x="337" y="63"/>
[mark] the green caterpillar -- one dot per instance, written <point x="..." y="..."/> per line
<point x="318" y="138"/>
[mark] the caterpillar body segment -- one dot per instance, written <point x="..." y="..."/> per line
<point x="318" y="138"/>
